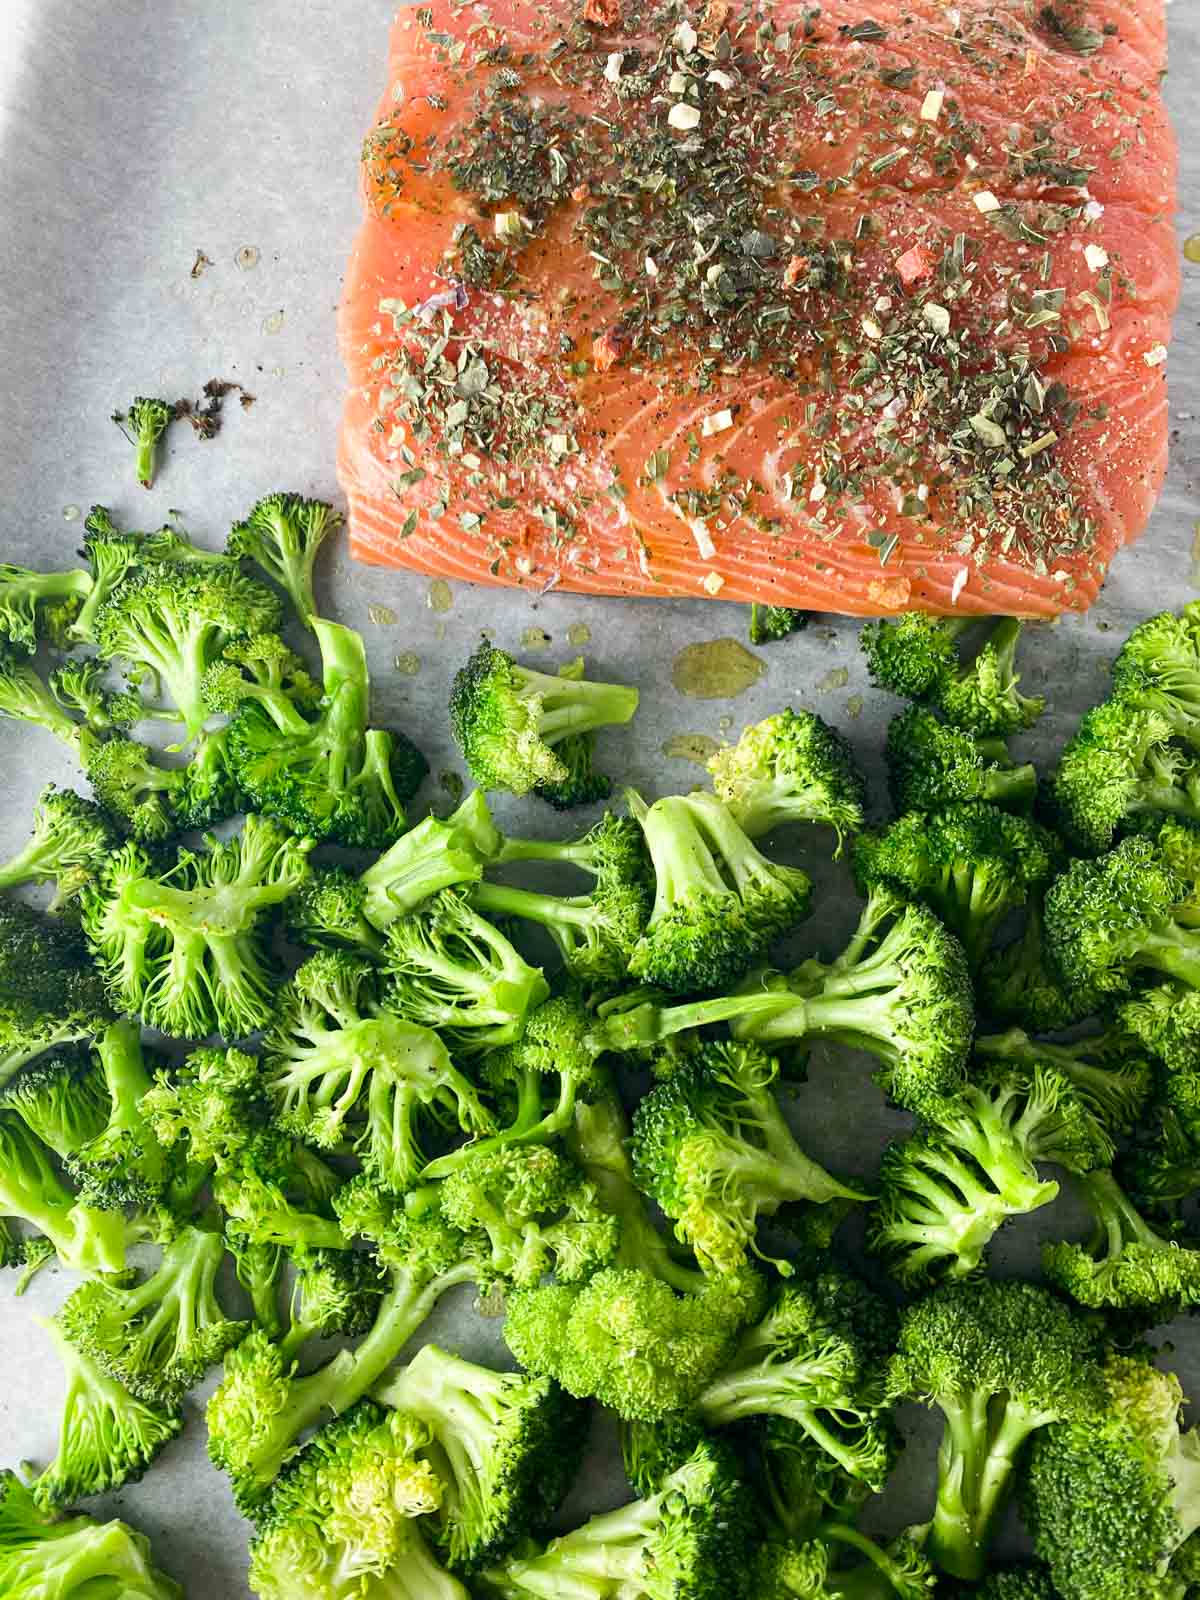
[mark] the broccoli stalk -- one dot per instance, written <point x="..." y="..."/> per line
<point x="159" y="1337"/>
<point x="792" y="767"/>
<point x="41" y="1555"/>
<point x="507" y="719"/>
<point x="712" y="1148"/>
<point x="719" y="903"/>
<point x="814" y="1570"/>
<point x="124" y="1164"/>
<point x="510" y="1443"/>
<point x="144" y="424"/>
<point x="692" y="1535"/>
<point x="25" y="697"/>
<point x="1001" y="1360"/>
<point x="333" y="1056"/>
<point x="451" y="970"/>
<point x="107" y="1436"/>
<point x="282" y="535"/>
<point x="84" y="1238"/>
<point x="1158" y="669"/>
<point x="1126" y="1263"/>
<point x="434" y="855"/>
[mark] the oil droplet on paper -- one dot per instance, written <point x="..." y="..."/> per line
<point x="719" y="669"/>
<point x="579" y="634"/>
<point x="440" y="598"/>
<point x="838" y="678"/>
<point x="536" y="639"/>
<point x="854" y="706"/>
<point x="247" y="257"/>
<point x="408" y="662"/>
<point x="71" y="513"/>
<point x="693" y="747"/>
<point x="382" y="615"/>
<point x="273" y="323"/>
<point x="1191" y="248"/>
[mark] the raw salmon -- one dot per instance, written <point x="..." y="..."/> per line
<point x="856" y="307"/>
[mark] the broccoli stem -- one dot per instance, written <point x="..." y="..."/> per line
<point x="432" y="856"/>
<point x="976" y="1461"/>
<point x="763" y="1390"/>
<point x="646" y="1025"/>
<point x="339" y="1383"/>
<point x="874" y="1580"/>
<point x="1016" y="785"/>
<point x="548" y="910"/>
<point x="577" y="852"/>
<point x="1117" y="1221"/>
<point x="684" y="865"/>
<point x="1176" y="953"/>
<point x="415" y="1575"/>
<point x="575" y="705"/>
<point x="606" y="1556"/>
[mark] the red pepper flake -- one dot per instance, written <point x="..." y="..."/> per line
<point x="914" y="265"/>
<point x="607" y="349"/>
<point x="794" y="271"/>
<point x="602" y="13"/>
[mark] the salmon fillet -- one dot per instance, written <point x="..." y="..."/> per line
<point x="858" y="308"/>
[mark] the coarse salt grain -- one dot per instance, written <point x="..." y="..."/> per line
<point x="704" y="541"/>
<point x="683" y="117"/>
<point x="986" y="201"/>
<point x="721" y="79"/>
<point x="714" y="583"/>
<point x="1096" y="257"/>
<point x="959" y="584"/>
<point x="718" y="422"/>
<point x="931" y="106"/>
<point x="612" y="67"/>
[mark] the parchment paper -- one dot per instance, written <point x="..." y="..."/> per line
<point x="137" y="133"/>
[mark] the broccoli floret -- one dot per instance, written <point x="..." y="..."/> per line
<point x="274" y="1191"/>
<point x="124" y="1164"/>
<point x="1158" y="669"/>
<point x="112" y="554"/>
<point x="691" y="1538"/>
<point x="26" y="697"/>
<point x="769" y="623"/>
<point x="1124" y="913"/>
<point x="1109" y="1071"/>
<point x="713" y="1149"/>
<point x="1126" y="1264"/>
<point x="1019" y="982"/>
<point x="157" y="1337"/>
<point x="341" y="1070"/>
<point x="1166" y="1020"/>
<point x="61" y="1098"/>
<point x="583" y="784"/>
<point x="531" y="1211"/>
<point x="596" y="934"/>
<point x="50" y="991"/>
<point x="540" y="1081"/>
<point x="792" y="767"/>
<point x="170" y="620"/>
<point x="719" y="903"/>
<point x="1001" y="1360"/>
<point x="346" y="1519"/>
<point x="971" y="863"/>
<point x="210" y="1106"/>
<point x="151" y="802"/>
<point x="452" y="970"/>
<point x="803" y="1487"/>
<point x="507" y="719"/>
<point x="87" y="1239"/>
<point x="185" y="948"/>
<point x="511" y="1444"/>
<point x="262" y="670"/>
<point x="282" y="535"/>
<point x="1120" y="765"/>
<point x="652" y="1451"/>
<point x="144" y="424"/>
<point x="73" y="1557"/>
<point x="107" y="1436"/>
<point x="917" y="657"/>
<point x="643" y="1335"/>
<point x="1163" y="1167"/>
<point x="80" y="688"/>
<point x="336" y="1292"/>
<point x="931" y="765"/>
<point x="819" y="1358"/>
<point x="262" y="1407"/>
<point x="1111" y="1497"/>
<point x="37" y="606"/>
<point x="333" y="776"/>
<point x="71" y="838"/>
<point x="328" y="910"/>
<point x="816" y="1569"/>
<point x="948" y="1188"/>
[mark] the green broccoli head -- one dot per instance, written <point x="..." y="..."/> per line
<point x="912" y="655"/>
<point x="274" y="1191"/>
<point x="719" y="903"/>
<point x="452" y="970"/>
<point x="169" y="621"/>
<point x="791" y="767"/>
<point x="335" y="1293"/>
<point x="931" y="765"/>
<point x="132" y="788"/>
<point x="507" y="719"/>
<point x="917" y="656"/>
<point x="1111" y="1497"/>
<point x="107" y="1435"/>
<point x="341" y="1070"/>
<point x="348" y="1513"/>
<point x="124" y="1164"/>
<point x="25" y="696"/>
<point x="1110" y="1071"/>
<point x="687" y="1539"/>
<point x="825" y="1568"/>
<point x="583" y="785"/>
<point x="329" y="909"/>
<point x="257" y="669"/>
<point x="80" y="687"/>
<point x="1025" y="1580"/>
<point x="1001" y="1360"/>
<point x="282" y="535"/>
<point x="1158" y="669"/>
<point x="713" y="1149"/>
<point x="209" y="1106"/>
<point x="61" y="1098"/>
<point x="510" y="1443"/>
<point x="802" y="1486"/>
<point x="157" y="1337"/>
<point x="1121" y="764"/>
<point x="972" y="863"/>
<point x="185" y="948"/>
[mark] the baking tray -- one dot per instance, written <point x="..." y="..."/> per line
<point x="137" y="136"/>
